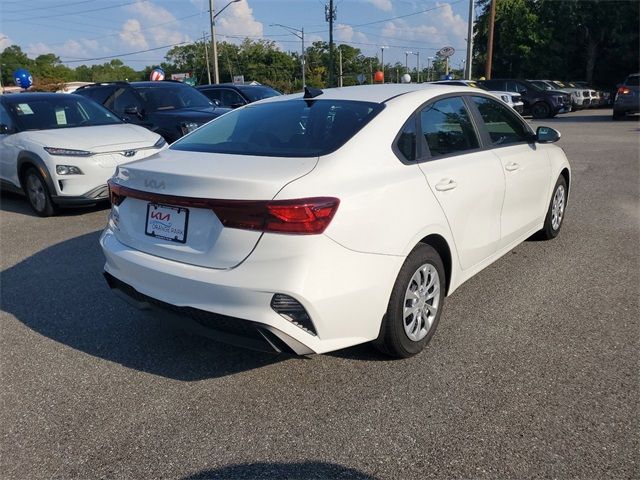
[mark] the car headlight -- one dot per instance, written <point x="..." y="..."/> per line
<point x="160" y="143"/>
<point x="187" y="127"/>
<point x="68" y="170"/>
<point x="67" y="152"/>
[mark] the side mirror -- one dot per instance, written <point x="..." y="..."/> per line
<point x="216" y="102"/>
<point x="5" y="129"/>
<point x="522" y="92"/>
<point x="547" y="135"/>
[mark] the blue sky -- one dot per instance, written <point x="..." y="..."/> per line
<point x="79" y="31"/>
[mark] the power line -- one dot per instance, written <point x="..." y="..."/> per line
<point x="75" y="13"/>
<point x="49" y="6"/>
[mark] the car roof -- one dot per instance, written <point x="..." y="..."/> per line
<point x="30" y="96"/>
<point x="377" y="93"/>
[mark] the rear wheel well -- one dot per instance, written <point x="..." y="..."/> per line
<point x="442" y="247"/>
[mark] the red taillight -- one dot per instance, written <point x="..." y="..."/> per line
<point x="623" y="90"/>
<point x="304" y="216"/>
<point x="114" y="197"/>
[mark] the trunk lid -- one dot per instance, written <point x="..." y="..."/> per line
<point x="205" y="241"/>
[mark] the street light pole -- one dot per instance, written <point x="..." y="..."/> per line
<point x="406" y="61"/>
<point x="300" y="34"/>
<point x="214" y="43"/>
<point x="468" y="66"/>
<point x="382" y="61"/>
<point x="417" y="54"/>
<point x="429" y="77"/>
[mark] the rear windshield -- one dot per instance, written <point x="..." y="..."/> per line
<point x="293" y="128"/>
<point x="172" y="97"/>
<point x="255" y="93"/>
<point x="68" y="111"/>
<point x="633" y="81"/>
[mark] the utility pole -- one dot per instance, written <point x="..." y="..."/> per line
<point x="406" y="62"/>
<point x="429" y="76"/>
<point x="492" y="21"/>
<point x="330" y="16"/>
<point x="300" y="35"/>
<point x="468" y="69"/>
<point x="417" y="54"/>
<point x="206" y="57"/>
<point x="214" y="47"/>
<point x="340" y="64"/>
<point x="382" y="61"/>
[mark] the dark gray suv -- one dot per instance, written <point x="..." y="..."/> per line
<point x="628" y="97"/>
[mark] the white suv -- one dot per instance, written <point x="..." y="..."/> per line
<point x="310" y="224"/>
<point x="61" y="149"/>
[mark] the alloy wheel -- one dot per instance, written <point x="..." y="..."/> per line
<point x="557" y="207"/>
<point x="36" y="192"/>
<point x="421" y="302"/>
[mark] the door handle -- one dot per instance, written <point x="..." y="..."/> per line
<point x="446" y="184"/>
<point x="512" y="166"/>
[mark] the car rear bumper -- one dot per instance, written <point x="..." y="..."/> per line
<point x="345" y="293"/>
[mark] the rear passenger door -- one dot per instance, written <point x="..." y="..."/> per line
<point x="467" y="181"/>
<point x="525" y="165"/>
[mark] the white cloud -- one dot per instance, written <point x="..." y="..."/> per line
<point x="384" y="5"/>
<point x="441" y="27"/>
<point x="70" y="50"/>
<point x="163" y="27"/>
<point x="132" y="35"/>
<point x="38" y="48"/>
<point x="5" y="41"/>
<point x="238" y="20"/>
<point x="346" y="33"/>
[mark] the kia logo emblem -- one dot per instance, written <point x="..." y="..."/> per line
<point x="154" y="184"/>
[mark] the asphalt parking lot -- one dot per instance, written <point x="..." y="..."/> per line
<point x="533" y="371"/>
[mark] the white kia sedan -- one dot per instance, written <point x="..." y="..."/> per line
<point x="60" y="149"/>
<point x="311" y="223"/>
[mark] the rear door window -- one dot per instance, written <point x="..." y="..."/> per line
<point x="447" y="128"/>
<point x="406" y="143"/>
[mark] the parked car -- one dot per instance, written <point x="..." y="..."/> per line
<point x="597" y="96"/>
<point x="628" y="97"/>
<point x="578" y="98"/>
<point x="346" y="221"/>
<point x="510" y="98"/>
<point x="538" y="102"/>
<point x="60" y="149"/>
<point x="171" y="109"/>
<point x="237" y="95"/>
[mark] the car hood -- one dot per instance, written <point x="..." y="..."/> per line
<point x="198" y="114"/>
<point x="99" y="138"/>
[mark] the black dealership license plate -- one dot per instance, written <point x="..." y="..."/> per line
<point x="167" y="222"/>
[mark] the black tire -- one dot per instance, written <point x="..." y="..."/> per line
<point x="393" y="339"/>
<point x="552" y="227"/>
<point x="618" y="115"/>
<point x="541" y="110"/>
<point x="37" y="193"/>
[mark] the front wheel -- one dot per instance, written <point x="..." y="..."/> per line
<point x="555" y="213"/>
<point x="541" y="110"/>
<point x="415" y="305"/>
<point x="38" y="194"/>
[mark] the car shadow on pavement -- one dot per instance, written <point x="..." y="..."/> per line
<point x="16" y="203"/>
<point x="60" y="293"/>
<point x="282" y="471"/>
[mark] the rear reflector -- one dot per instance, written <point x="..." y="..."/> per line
<point x="304" y="216"/>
